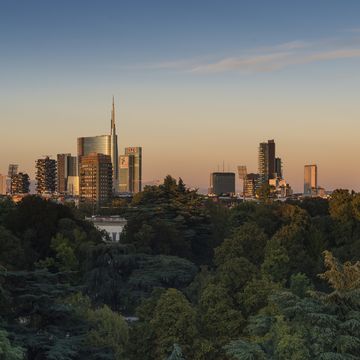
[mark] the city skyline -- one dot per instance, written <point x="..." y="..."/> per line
<point x="195" y="84"/>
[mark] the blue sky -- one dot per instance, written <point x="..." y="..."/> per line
<point x="196" y="82"/>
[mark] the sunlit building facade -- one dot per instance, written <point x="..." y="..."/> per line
<point x="45" y="176"/>
<point x="3" y="184"/>
<point x="135" y="177"/>
<point x="95" y="178"/>
<point x="20" y="184"/>
<point x="126" y="173"/>
<point x="251" y="182"/>
<point x="103" y="144"/>
<point x="310" y="180"/>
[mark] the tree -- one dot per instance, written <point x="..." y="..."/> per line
<point x="315" y="326"/>
<point x="48" y="329"/>
<point x="173" y="322"/>
<point x="7" y="351"/>
<point x="340" y="205"/>
<point x="11" y="251"/>
<point x="220" y="321"/>
<point x="235" y="273"/>
<point x="285" y="252"/>
<point x="265" y="192"/>
<point x="246" y="241"/>
<point x="108" y="330"/>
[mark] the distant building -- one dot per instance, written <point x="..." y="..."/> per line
<point x="280" y="188"/>
<point x="95" y="178"/>
<point x="222" y="183"/>
<point x="126" y="173"/>
<point x="73" y="187"/>
<point x="271" y="159"/>
<point x="278" y="168"/>
<point x="12" y="170"/>
<point x="113" y="225"/>
<point x="263" y="159"/>
<point x="102" y="144"/>
<point x="266" y="161"/>
<point x="66" y="166"/>
<point x="20" y="184"/>
<point x="130" y="170"/>
<point x="251" y="184"/>
<point x="310" y="180"/>
<point x="45" y="176"/>
<point x="94" y="144"/>
<point x="3" y="184"/>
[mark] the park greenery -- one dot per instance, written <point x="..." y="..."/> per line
<point x="191" y="279"/>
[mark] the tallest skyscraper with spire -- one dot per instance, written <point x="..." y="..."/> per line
<point x="114" y="149"/>
<point x="103" y="144"/>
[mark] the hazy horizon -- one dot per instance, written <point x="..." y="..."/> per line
<point x="195" y="84"/>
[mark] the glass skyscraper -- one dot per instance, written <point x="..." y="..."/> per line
<point x="136" y="153"/>
<point x="103" y="144"/>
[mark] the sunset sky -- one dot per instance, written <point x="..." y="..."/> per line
<point x="196" y="83"/>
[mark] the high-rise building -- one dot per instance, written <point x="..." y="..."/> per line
<point x="278" y="168"/>
<point x="114" y="150"/>
<point x="3" y="184"/>
<point x="95" y="178"/>
<point x="251" y="184"/>
<point x="46" y="175"/>
<point x="12" y="170"/>
<point x="136" y="154"/>
<point x="66" y="166"/>
<point x="222" y="183"/>
<point x="126" y="173"/>
<point x="102" y="144"/>
<point x="310" y="180"/>
<point x="20" y="184"/>
<point x="263" y="163"/>
<point x="271" y="159"/>
<point x="94" y="144"/>
<point x="266" y="161"/>
<point x="73" y="186"/>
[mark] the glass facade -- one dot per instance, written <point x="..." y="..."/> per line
<point x="94" y="144"/>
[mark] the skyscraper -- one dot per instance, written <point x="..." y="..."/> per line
<point x="126" y="173"/>
<point x="100" y="144"/>
<point x="278" y="168"/>
<point x="95" y="179"/>
<point x="266" y="161"/>
<point x="271" y="159"/>
<point x="103" y="144"/>
<point x="222" y="183"/>
<point x="136" y="153"/>
<point x="310" y="180"/>
<point x="263" y="163"/>
<point x="45" y="175"/>
<point x="66" y="166"/>
<point x="12" y="170"/>
<point x="20" y="184"/>
<point x="251" y="184"/>
<point x="114" y="150"/>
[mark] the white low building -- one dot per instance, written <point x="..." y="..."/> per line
<point x="113" y="225"/>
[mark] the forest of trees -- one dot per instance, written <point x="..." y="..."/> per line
<point x="202" y="281"/>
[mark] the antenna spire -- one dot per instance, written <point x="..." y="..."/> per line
<point x="113" y="114"/>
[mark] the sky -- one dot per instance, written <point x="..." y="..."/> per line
<point x="197" y="84"/>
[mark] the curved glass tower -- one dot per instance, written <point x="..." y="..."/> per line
<point x="103" y="144"/>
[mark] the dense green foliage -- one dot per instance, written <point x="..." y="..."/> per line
<point x="200" y="280"/>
